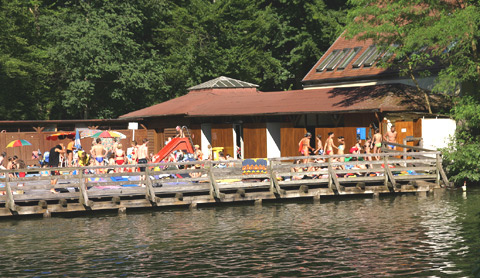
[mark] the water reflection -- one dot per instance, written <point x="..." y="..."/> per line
<point x="399" y="236"/>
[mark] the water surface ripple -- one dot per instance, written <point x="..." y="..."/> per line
<point x="403" y="236"/>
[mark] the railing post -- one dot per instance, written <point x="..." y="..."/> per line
<point x="84" y="200"/>
<point x="388" y="175"/>
<point x="330" y="173"/>
<point x="438" y="165"/>
<point x="10" y="201"/>
<point x="385" y="172"/>
<point x="150" y="193"/>
<point x="214" y="191"/>
<point x="333" y="179"/>
<point x="274" y="186"/>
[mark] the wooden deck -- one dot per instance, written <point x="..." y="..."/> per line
<point x="207" y="183"/>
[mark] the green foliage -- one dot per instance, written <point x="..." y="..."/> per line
<point x="23" y="63"/>
<point x="101" y="66"/>
<point x="100" y="59"/>
<point x="462" y="156"/>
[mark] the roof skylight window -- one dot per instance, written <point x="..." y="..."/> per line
<point x="359" y="62"/>
<point x="327" y="60"/>
<point x="333" y="64"/>
<point x="349" y="58"/>
<point x="372" y="58"/>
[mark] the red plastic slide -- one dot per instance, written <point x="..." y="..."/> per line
<point x="174" y="145"/>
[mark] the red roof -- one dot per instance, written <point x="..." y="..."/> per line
<point x="249" y="101"/>
<point x="349" y="72"/>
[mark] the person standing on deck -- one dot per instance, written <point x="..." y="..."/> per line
<point x="304" y="146"/>
<point x="391" y="137"/>
<point x="368" y="149"/>
<point x="142" y="154"/>
<point x="98" y="152"/>
<point x="329" y="145"/>
<point x="70" y="148"/>
<point x="198" y="153"/>
<point x="377" y="143"/>
<point x="319" y="149"/>
<point x="54" y="159"/>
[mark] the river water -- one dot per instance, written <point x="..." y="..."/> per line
<point x="402" y="236"/>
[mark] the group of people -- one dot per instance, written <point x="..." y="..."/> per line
<point x="11" y="163"/>
<point x="371" y="145"/>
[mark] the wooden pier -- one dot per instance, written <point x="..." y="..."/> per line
<point x="195" y="183"/>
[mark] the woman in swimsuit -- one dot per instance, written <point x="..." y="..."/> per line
<point x="119" y="157"/>
<point x="304" y="146"/>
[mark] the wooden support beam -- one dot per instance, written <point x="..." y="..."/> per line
<point x="82" y="189"/>
<point x="388" y="175"/>
<point x="274" y="186"/>
<point x="214" y="191"/>
<point x="150" y="193"/>
<point x="39" y="128"/>
<point x="333" y="180"/>
<point x="10" y="201"/>
<point x="179" y="196"/>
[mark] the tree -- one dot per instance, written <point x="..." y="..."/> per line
<point x="24" y="67"/>
<point x="100" y="60"/>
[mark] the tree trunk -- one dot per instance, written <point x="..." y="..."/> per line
<point x="420" y="90"/>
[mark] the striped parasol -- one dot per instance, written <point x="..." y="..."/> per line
<point x="18" y="143"/>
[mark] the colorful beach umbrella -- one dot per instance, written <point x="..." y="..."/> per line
<point x="120" y="135"/>
<point x="88" y="132"/>
<point x="78" y="144"/>
<point x="61" y="136"/>
<point x="106" y="134"/>
<point x="18" y="143"/>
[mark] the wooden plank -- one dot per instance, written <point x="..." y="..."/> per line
<point x="417" y="177"/>
<point x="302" y="182"/>
<point x="362" y="179"/>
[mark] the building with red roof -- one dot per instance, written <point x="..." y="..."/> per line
<point x="345" y="92"/>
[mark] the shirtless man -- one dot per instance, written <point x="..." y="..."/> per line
<point x="98" y="152"/>
<point x="304" y="146"/>
<point x="377" y="143"/>
<point x="319" y="149"/>
<point x="142" y="154"/>
<point x="329" y="144"/>
<point x="391" y="137"/>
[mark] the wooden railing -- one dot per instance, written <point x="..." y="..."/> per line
<point x="216" y="181"/>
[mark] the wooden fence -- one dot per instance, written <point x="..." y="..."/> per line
<point x="198" y="182"/>
<point x="39" y="142"/>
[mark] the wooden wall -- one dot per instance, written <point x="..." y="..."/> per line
<point x="222" y="136"/>
<point x="196" y="133"/>
<point x="255" y="140"/>
<point x="289" y="138"/>
<point x="359" y="119"/>
<point x="408" y="128"/>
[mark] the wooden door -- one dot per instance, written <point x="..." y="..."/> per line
<point x="255" y="140"/>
